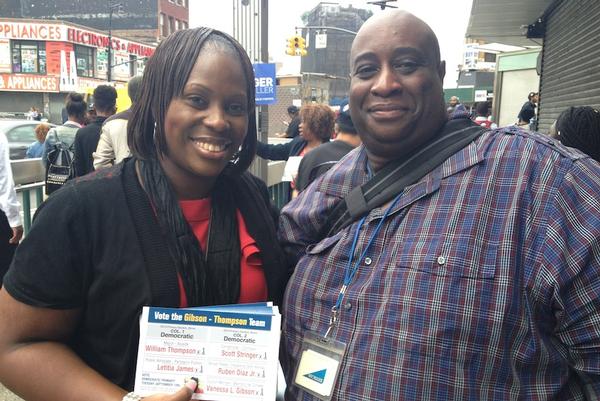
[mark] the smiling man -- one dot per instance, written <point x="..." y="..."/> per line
<point x="396" y="89"/>
<point x="477" y="280"/>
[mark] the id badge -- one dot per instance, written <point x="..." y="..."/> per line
<point x="319" y="365"/>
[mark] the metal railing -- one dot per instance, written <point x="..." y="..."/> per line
<point x="28" y="175"/>
<point x="28" y="193"/>
<point x="280" y="194"/>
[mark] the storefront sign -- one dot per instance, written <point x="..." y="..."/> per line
<point x="32" y="31"/>
<point x="28" y="83"/>
<point x="89" y="84"/>
<point x="99" y="40"/>
<point x="480" y="95"/>
<point x="4" y="56"/>
<point x="69" y="80"/>
<point x="60" y="32"/>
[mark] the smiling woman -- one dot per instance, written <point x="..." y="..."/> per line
<point x="181" y="223"/>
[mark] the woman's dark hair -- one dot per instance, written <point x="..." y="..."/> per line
<point x="579" y="127"/>
<point x="76" y="106"/>
<point x="165" y="76"/>
<point x="319" y="119"/>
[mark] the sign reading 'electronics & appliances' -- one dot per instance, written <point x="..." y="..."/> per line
<point x="57" y="32"/>
<point x="99" y="40"/>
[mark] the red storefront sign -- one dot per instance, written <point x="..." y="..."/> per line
<point x="31" y="31"/>
<point x="28" y="83"/>
<point x="98" y="40"/>
<point x="53" y="56"/>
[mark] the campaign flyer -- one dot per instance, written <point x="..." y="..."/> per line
<point x="232" y="350"/>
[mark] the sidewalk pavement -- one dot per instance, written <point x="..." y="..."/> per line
<point x="6" y="395"/>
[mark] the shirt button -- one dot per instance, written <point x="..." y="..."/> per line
<point x="347" y="306"/>
<point x="441" y="260"/>
<point x="368" y="261"/>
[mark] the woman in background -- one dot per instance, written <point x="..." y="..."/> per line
<point x="37" y="148"/>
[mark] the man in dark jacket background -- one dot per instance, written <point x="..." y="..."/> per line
<point x="528" y="110"/>
<point x="86" y="139"/>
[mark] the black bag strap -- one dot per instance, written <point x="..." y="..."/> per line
<point x="395" y="176"/>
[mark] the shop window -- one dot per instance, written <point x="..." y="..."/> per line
<point x="84" y="60"/>
<point x="141" y="65"/>
<point x="163" y="25"/>
<point x="489" y="57"/>
<point x="28" y="57"/>
<point x="171" y="24"/>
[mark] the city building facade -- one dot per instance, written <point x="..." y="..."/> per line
<point x="328" y="50"/>
<point x="41" y="61"/>
<point x="146" y="21"/>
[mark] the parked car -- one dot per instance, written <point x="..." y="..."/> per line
<point x="20" y="134"/>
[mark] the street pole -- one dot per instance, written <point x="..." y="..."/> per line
<point x="327" y="27"/>
<point x="109" y="72"/>
<point x="111" y="7"/>
<point x="263" y="165"/>
<point x="250" y="28"/>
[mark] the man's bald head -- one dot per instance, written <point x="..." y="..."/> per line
<point x="400" y="19"/>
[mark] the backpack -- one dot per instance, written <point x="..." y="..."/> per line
<point x="60" y="167"/>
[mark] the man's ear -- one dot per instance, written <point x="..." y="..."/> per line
<point x="442" y="70"/>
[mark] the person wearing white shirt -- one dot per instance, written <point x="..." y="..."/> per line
<point x="11" y="228"/>
<point x="112" y="146"/>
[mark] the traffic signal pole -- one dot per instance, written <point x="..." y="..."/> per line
<point x="296" y="45"/>
<point x="333" y="28"/>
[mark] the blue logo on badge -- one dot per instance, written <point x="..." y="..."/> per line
<point x="318" y="376"/>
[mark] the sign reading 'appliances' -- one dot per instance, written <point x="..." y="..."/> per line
<point x="28" y="83"/>
<point x="31" y="31"/>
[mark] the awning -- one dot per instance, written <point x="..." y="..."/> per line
<point x="505" y="21"/>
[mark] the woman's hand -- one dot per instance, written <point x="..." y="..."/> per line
<point x="184" y="394"/>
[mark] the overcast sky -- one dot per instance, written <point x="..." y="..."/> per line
<point x="448" y="19"/>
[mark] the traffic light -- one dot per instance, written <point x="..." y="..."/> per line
<point x="301" y="46"/>
<point x="292" y="45"/>
<point x="296" y="46"/>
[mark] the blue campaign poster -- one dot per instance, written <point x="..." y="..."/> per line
<point x="264" y="77"/>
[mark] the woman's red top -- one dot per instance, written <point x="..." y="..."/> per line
<point x="253" y="286"/>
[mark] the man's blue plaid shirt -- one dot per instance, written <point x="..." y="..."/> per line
<point x="483" y="284"/>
